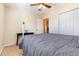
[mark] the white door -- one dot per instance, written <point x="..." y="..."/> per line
<point x="76" y="22"/>
<point x="66" y="23"/>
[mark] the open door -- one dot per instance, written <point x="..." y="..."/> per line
<point x="46" y="25"/>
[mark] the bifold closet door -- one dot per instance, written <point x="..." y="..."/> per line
<point x="66" y="23"/>
<point x="76" y="22"/>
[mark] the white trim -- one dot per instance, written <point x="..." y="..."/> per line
<point x="1" y="50"/>
<point x="10" y="44"/>
<point x="5" y="46"/>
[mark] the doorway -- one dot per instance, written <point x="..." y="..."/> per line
<point x="46" y="25"/>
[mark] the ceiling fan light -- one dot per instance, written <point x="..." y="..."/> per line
<point x="43" y="7"/>
<point x="40" y="6"/>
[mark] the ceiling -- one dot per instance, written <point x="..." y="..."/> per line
<point x="32" y="8"/>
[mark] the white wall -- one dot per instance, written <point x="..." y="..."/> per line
<point x="39" y="26"/>
<point x="1" y="26"/>
<point x="14" y="16"/>
<point x="53" y="15"/>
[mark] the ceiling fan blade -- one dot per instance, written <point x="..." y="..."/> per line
<point x="48" y="6"/>
<point x="34" y="4"/>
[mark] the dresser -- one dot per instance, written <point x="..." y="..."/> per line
<point x="20" y="34"/>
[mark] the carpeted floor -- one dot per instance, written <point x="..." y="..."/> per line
<point x="11" y="51"/>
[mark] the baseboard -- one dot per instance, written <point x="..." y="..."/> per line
<point x="5" y="46"/>
<point x="9" y="44"/>
<point x="1" y="50"/>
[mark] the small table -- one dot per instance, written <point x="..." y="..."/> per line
<point x="20" y="34"/>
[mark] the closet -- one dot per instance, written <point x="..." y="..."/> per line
<point x="69" y="22"/>
<point x="76" y="21"/>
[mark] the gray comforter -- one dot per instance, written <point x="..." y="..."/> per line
<point x="50" y="45"/>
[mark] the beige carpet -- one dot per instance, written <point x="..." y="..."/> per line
<point x="11" y="51"/>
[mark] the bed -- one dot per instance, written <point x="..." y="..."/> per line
<point x="50" y="45"/>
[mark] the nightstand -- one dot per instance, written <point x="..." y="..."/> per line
<point x="20" y="34"/>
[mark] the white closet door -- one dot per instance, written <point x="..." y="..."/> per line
<point x="76" y="22"/>
<point x="66" y="23"/>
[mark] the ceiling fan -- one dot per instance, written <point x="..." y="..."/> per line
<point x="41" y="5"/>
